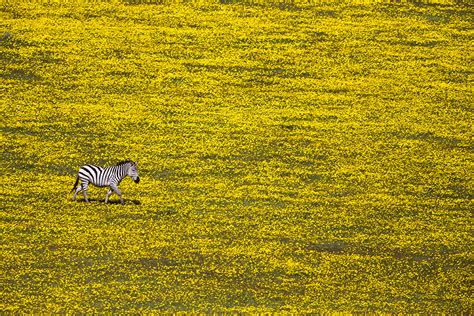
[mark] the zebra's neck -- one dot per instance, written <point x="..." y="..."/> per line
<point x="122" y="171"/>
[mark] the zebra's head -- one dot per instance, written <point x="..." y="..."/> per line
<point x="133" y="172"/>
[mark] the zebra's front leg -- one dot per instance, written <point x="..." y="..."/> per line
<point x="108" y="195"/>
<point x="117" y="191"/>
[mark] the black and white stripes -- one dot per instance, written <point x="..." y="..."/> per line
<point x="103" y="177"/>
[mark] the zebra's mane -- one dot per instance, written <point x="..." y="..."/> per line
<point x="120" y="163"/>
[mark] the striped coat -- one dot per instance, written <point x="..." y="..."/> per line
<point x="105" y="177"/>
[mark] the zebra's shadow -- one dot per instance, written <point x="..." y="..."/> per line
<point x="114" y="202"/>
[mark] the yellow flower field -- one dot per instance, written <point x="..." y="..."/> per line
<point x="294" y="156"/>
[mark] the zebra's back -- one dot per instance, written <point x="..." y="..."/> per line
<point x="98" y="176"/>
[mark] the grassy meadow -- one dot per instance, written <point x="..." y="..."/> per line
<point x="298" y="156"/>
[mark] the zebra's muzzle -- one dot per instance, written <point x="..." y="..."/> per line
<point x="137" y="180"/>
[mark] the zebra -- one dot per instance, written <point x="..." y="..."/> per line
<point x="103" y="177"/>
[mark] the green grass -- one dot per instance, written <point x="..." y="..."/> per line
<point x="300" y="157"/>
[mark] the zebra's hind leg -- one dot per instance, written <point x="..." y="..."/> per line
<point x="84" y="191"/>
<point x="78" y="189"/>
<point x="108" y="195"/>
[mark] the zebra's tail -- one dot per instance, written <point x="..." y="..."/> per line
<point x="75" y="184"/>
